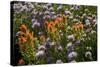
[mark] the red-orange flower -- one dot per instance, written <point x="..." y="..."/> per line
<point x="62" y="27"/>
<point x="21" y="62"/>
<point x="22" y="39"/>
<point x="59" y="19"/>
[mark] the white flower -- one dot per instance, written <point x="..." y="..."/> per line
<point x="52" y="43"/>
<point x="86" y="9"/>
<point x="67" y="12"/>
<point x="40" y="53"/>
<point x="84" y="15"/>
<point x="87" y="22"/>
<point x="59" y="61"/>
<point x="60" y="7"/>
<point x="72" y="55"/>
<point x="45" y="7"/>
<point x="47" y="17"/>
<point x="88" y="54"/>
<point x="53" y="13"/>
<point x="33" y="20"/>
<point x="49" y="4"/>
<point x="54" y="16"/>
<point x="60" y="48"/>
<point x="59" y="15"/>
<point x="61" y="34"/>
<point x="40" y="33"/>
<point x="75" y="20"/>
<point x="92" y="32"/>
<point x="41" y="47"/>
<point x="72" y="8"/>
<point x="89" y="48"/>
<point x="48" y="39"/>
<point x="71" y="17"/>
<point x="30" y="5"/>
<point x="51" y="8"/>
<point x="71" y="37"/>
<point x="78" y="42"/>
<point x="17" y="34"/>
<point x="69" y="45"/>
<point x="46" y="12"/>
<point x="94" y="20"/>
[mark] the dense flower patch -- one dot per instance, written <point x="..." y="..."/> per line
<point x="54" y="33"/>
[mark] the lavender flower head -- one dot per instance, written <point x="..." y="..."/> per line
<point x="72" y="55"/>
<point x="40" y="53"/>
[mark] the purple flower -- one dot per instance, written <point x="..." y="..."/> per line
<point x="40" y="53"/>
<point x="77" y="42"/>
<point x="36" y="24"/>
<point x="72" y="55"/>
<point x="70" y="47"/>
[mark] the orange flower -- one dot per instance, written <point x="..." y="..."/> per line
<point x="22" y="39"/>
<point x="49" y="26"/>
<point x="46" y="23"/>
<point x="59" y="19"/>
<point x="30" y="35"/>
<point x="56" y="21"/>
<point x="53" y="30"/>
<point x="23" y="28"/>
<point x="78" y="26"/>
<point x="81" y="26"/>
<point x="21" y="62"/>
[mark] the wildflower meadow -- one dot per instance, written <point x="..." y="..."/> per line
<point x="50" y="33"/>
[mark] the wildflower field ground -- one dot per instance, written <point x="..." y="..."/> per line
<point x="49" y="33"/>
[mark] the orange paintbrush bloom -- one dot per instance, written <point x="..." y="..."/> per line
<point x="78" y="26"/>
<point x="53" y="30"/>
<point x="56" y="21"/>
<point x="46" y="23"/>
<point x="30" y="35"/>
<point x="81" y="25"/>
<point x="23" y="28"/>
<point x="21" y="62"/>
<point x="59" y="19"/>
<point x="49" y="26"/>
<point x="22" y="39"/>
